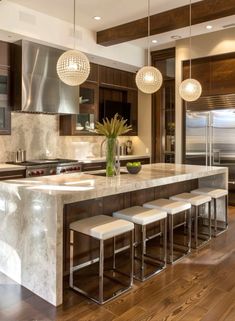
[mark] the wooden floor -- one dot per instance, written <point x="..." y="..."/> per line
<point x="200" y="287"/>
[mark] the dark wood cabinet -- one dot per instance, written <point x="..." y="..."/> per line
<point x="115" y="77"/>
<point x="222" y="75"/>
<point x="4" y="54"/>
<point x="163" y="108"/>
<point x="201" y="70"/>
<point x="5" y="113"/>
<point x="93" y="76"/>
<point x="216" y="74"/>
<point x="84" y="122"/>
<point x="104" y="84"/>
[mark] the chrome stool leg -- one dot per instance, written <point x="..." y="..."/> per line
<point x="171" y="238"/>
<point x="114" y="254"/>
<point x="196" y="227"/>
<point x="132" y="257"/>
<point x="165" y="240"/>
<point x="226" y="211"/>
<point x="209" y="216"/>
<point x="101" y="272"/>
<point x="143" y="250"/>
<point x="189" y="230"/>
<point x="215" y="217"/>
<point x="71" y="241"/>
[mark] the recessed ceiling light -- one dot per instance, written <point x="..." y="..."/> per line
<point x="154" y="41"/>
<point x="209" y="27"/>
<point x="176" y="37"/>
<point x="97" y="18"/>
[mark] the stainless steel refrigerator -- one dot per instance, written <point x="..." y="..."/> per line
<point x="210" y="140"/>
<point x="210" y="137"/>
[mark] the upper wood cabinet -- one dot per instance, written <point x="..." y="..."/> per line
<point x="103" y="84"/>
<point x="163" y="108"/>
<point x="116" y="77"/>
<point x="5" y="113"/>
<point x="201" y="70"/>
<point x="93" y="76"/>
<point x="222" y="75"/>
<point x="4" y="54"/>
<point x="216" y="73"/>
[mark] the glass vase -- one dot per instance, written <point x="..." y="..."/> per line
<point x="111" y="144"/>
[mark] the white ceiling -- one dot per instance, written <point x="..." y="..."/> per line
<point x="113" y="12"/>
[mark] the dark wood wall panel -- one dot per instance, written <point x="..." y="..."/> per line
<point x="216" y="73"/>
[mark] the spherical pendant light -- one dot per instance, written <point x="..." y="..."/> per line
<point x="73" y="67"/>
<point x="149" y="79"/>
<point x="190" y="89"/>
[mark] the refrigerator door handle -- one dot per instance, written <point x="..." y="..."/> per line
<point x="207" y="144"/>
<point x="210" y="140"/>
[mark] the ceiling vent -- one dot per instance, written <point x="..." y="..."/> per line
<point x="27" y="18"/>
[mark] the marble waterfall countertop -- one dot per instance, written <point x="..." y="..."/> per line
<point x="82" y="186"/>
<point x="31" y="217"/>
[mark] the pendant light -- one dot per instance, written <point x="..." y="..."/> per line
<point x="73" y="66"/>
<point x="190" y="89"/>
<point x="148" y="78"/>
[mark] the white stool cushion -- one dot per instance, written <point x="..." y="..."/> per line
<point x="140" y="215"/>
<point x="195" y="200"/>
<point x="101" y="227"/>
<point x="212" y="192"/>
<point x="170" y="206"/>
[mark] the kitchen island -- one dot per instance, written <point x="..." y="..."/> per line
<point x="35" y="214"/>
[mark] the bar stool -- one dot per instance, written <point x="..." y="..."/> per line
<point x="175" y="209"/>
<point x="215" y="194"/>
<point x="196" y="201"/>
<point x="101" y="228"/>
<point x="142" y="217"/>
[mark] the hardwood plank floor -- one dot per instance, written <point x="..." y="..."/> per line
<point x="200" y="287"/>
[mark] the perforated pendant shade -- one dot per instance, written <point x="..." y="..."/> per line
<point x="149" y="79"/>
<point x="190" y="89"/>
<point x="73" y="67"/>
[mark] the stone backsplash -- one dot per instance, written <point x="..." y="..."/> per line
<point x="39" y="135"/>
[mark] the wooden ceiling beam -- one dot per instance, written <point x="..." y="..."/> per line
<point x="202" y="11"/>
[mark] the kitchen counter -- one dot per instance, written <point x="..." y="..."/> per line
<point x="9" y="167"/>
<point x="32" y="209"/>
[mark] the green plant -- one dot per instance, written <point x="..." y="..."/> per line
<point x="113" y="128"/>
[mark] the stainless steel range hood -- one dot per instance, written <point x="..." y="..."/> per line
<point x="36" y="86"/>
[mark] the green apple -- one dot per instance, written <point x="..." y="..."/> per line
<point x="136" y="164"/>
<point x="129" y="164"/>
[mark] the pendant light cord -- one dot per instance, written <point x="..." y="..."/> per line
<point x="190" y="39"/>
<point x="74" y="24"/>
<point x="148" y="32"/>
